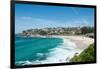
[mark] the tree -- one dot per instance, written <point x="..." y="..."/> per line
<point x="24" y="32"/>
<point x="85" y="30"/>
<point x="41" y="32"/>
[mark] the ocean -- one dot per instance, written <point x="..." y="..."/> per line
<point x="36" y="50"/>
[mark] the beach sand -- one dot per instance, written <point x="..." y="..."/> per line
<point x="81" y="42"/>
<point x="63" y="54"/>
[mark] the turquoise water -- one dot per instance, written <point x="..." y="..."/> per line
<point x="33" y="48"/>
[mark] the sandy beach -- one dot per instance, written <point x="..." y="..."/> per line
<point x="81" y="42"/>
<point x="64" y="52"/>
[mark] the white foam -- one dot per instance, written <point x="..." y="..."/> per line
<point x="61" y="54"/>
<point x="25" y="62"/>
<point x="39" y="54"/>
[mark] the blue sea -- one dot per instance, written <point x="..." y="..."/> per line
<point x="36" y="50"/>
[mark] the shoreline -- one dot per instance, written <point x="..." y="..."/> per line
<point x="78" y="42"/>
<point x="81" y="43"/>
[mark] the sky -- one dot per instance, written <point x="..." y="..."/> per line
<point x="40" y="16"/>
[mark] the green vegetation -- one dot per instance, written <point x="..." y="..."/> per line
<point x="86" y="55"/>
<point x="42" y="32"/>
<point x="85" y="30"/>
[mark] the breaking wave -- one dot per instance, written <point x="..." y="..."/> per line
<point x="61" y="54"/>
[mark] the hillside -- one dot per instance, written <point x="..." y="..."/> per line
<point x="86" y="55"/>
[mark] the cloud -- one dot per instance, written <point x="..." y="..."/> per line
<point x="26" y="17"/>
